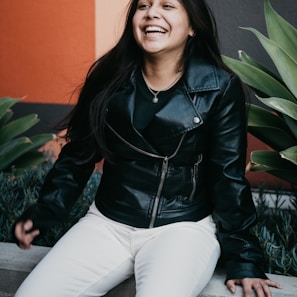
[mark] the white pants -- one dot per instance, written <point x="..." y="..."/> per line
<point x="96" y="254"/>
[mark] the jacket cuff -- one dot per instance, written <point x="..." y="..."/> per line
<point x="42" y="217"/>
<point x="237" y="270"/>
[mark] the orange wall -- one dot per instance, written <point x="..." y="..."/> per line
<point x="110" y="17"/>
<point x="46" y="48"/>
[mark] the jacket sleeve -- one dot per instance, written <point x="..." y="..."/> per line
<point x="63" y="185"/>
<point x="234" y="210"/>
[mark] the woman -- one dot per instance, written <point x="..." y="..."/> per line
<point x="169" y="119"/>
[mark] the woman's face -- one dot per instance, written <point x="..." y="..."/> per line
<point x="161" y="26"/>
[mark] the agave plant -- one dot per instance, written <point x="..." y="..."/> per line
<point x="275" y="125"/>
<point x="18" y="152"/>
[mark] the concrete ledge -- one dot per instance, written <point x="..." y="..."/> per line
<point x="15" y="264"/>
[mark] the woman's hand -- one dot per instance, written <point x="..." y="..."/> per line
<point x="260" y="286"/>
<point x="24" y="235"/>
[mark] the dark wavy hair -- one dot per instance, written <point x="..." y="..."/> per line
<point x="86" y="122"/>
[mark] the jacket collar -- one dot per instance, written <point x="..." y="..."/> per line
<point x="200" y="75"/>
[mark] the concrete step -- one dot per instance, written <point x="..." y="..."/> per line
<point x="15" y="264"/>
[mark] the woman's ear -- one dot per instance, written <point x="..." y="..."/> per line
<point x="192" y="33"/>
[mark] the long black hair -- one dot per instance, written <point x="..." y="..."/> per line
<point x="87" y="120"/>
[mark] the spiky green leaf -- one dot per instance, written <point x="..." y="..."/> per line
<point x="5" y="104"/>
<point x="17" y="127"/>
<point x="7" y="158"/>
<point x="285" y="64"/>
<point x="273" y="137"/>
<point x="287" y="108"/>
<point x="6" y="117"/>
<point x="269" y="128"/>
<point x="258" y="116"/>
<point x="244" y="57"/>
<point x="8" y="146"/>
<point x="281" y="31"/>
<point x="41" y="139"/>
<point x="282" y="105"/>
<point x="290" y="154"/>
<point x="258" y="79"/>
<point x="272" y="163"/>
<point x="272" y="160"/>
<point x="292" y="124"/>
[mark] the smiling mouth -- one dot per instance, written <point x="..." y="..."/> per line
<point x="154" y="29"/>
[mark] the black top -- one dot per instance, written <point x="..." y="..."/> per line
<point x="145" y="108"/>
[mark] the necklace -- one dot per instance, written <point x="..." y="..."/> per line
<point x="156" y="93"/>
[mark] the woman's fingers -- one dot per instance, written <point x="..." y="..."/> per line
<point x="231" y="285"/>
<point x="259" y="286"/>
<point x="24" y="235"/>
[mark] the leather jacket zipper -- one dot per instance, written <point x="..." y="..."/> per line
<point x="158" y="196"/>
<point x="133" y="146"/>
<point x="163" y="171"/>
<point x="162" y="181"/>
<point x="194" y="175"/>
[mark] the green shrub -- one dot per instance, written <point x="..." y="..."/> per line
<point x="277" y="230"/>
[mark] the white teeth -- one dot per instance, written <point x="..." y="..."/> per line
<point x="154" y="29"/>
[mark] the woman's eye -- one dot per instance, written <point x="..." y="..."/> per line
<point x="168" y="6"/>
<point x="142" y="6"/>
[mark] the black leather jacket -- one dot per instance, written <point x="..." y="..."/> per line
<point x="190" y="164"/>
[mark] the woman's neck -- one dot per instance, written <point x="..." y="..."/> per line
<point x="160" y="75"/>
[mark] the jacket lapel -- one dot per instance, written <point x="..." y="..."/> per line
<point x="120" y="118"/>
<point x="178" y="116"/>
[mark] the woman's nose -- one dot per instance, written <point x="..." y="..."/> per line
<point x="153" y="12"/>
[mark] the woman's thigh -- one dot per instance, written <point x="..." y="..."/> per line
<point x="177" y="262"/>
<point x="89" y="260"/>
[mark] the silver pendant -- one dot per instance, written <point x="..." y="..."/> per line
<point x="155" y="100"/>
